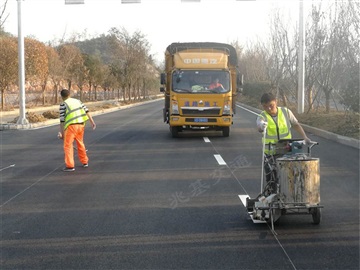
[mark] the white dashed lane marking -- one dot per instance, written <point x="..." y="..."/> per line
<point x="206" y="139"/>
<point x="220" y="160"/>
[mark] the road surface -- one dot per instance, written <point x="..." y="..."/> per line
<point x="149" y="201"/>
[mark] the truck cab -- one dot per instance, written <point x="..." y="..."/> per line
<point x="200" y="85"/>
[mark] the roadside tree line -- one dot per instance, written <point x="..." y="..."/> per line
<point x="125" y="71"/>
<point x="120" y="64"/>
<point x="331" y="63"/>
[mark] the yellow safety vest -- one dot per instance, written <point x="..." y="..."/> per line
<point x="75" y="114"/>
<point x="281" y="129"/>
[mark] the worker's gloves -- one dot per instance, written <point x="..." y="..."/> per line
<point x="307" y="141"/>
<point x="263" y="125"/>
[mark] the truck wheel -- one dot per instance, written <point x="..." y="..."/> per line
<point x="226" y="131"/>
<point x="174" y="132"/>
<point x="316" y="215"/>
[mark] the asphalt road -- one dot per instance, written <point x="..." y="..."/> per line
<point x="149" y="201"/>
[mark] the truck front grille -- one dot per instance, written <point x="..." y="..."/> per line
<point x="201" y="111"/>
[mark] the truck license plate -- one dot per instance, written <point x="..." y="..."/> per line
<point x="201" y="120"/>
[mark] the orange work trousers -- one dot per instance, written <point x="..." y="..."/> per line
<point x="74" y="133"/>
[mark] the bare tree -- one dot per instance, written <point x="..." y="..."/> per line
<point x="131" y="55"/>
<point x="111" y="83"/>
<point x="3" y="14"/>
<point x="96" y="72"/>
<point x="282" y="60"/>
<point x="73" y="62"/>
<point x="36" y="64"/>
<point x="55" y="70"/>
<point x="348" y="61"/>
<point x="311" y="71"/>
<point x="335" y="45"/>
<point x="252" y="63"/>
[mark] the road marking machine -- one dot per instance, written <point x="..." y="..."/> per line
<point x="291" y="184"/>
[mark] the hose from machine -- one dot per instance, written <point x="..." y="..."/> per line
<point x="263" y="160"/>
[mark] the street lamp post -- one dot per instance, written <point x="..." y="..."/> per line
<point x="301" y="61"/>
<point x="22" y="117"/>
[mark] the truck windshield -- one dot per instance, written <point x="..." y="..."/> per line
<point x="201" y="81"/>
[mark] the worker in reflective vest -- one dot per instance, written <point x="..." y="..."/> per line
<point x="73" y="115"/>
<point x="277" y="121"/>
<point x="278" y="127"/>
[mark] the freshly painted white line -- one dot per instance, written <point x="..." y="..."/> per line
<point x="243" y="200"/>
<point x="247" y="109"/>
<point x="220" y="160"/>
<point x="33" y="184"/>
<point x="256" y="221"/>
<point x="12" y="165"/>
<point x="206" y="139"/>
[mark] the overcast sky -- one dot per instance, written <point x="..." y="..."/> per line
<point x="161" y="21"/>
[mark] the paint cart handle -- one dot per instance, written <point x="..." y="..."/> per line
<point x="310" y="145"/>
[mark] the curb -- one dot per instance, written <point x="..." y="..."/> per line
<point x="321" y="133"/>
<point x="333" y="136"/>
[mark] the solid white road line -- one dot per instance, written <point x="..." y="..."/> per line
<point x="12" y="165"/>
<point x="220" y="160"/>
<point x="33" y="184"/>
<point x="243" y="200"/>
<point x="246" y="109"/>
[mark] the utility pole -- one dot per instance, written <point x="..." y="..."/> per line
<point x="301" y="61"/>
<point x="22" y="117"/>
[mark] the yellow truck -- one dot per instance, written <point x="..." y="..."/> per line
<point x="200" y="84"/>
